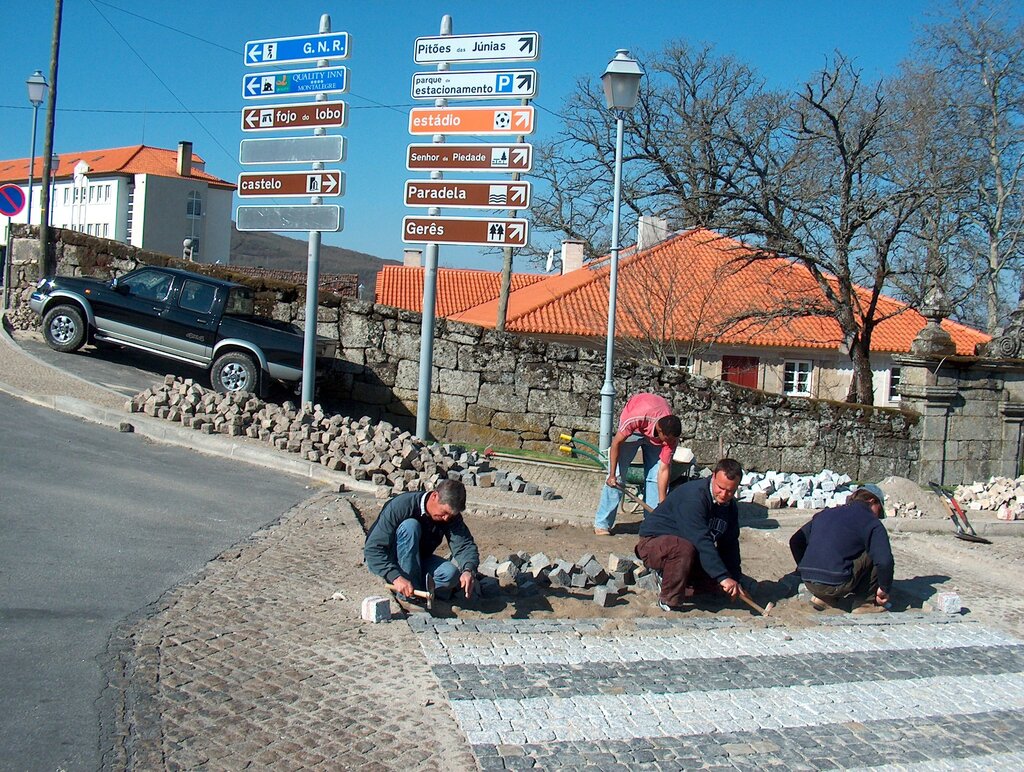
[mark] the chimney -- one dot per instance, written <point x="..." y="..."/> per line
<point x="650" y="231"/>
<point x="412" y="258"/>
<point x="184" y="159"/>
<point x="572" y="255"/>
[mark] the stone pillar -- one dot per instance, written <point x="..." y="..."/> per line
<point x="1013" y="439"/>
<point x="933" y="403"/>
<point x="933" y="340"/>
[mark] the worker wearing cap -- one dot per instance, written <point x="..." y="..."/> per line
<point x="844" y="551"/>
<point x="401" y="542"/>
<point x="648" y="424"/>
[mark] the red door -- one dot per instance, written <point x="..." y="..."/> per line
<point x="740" y="370"/>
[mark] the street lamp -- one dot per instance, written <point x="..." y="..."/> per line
<point x="37" y="86"/>
<point x="621" y="82"/>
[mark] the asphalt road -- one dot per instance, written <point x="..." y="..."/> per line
<point x="96" y="525"/>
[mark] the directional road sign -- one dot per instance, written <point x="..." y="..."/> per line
<point x="489" y="232"/>
<point x="471" y="120"/>
<point x="475" y="84"/>
<point x="302" y="48"/>
<point x="273" y="184"/>
<point x="292" y="150"/>
<point x="307" y="115"/>
<point x="324" y="80"/>
<point x="12" y="200"/>
<point x="470" y="158"/>
<point x="497" y="47"/>
<point x="463" y="194"/>
<point x="313" y="217"/>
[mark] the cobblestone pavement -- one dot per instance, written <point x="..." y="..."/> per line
<point x="922" y="693"/>
<point x="255" y="665"/>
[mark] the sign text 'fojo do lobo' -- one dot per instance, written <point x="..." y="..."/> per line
<point x="465" y="194"/>
<point x="517" y="157"/>
<point x="308" y="115"/>
<point x="471" y="120"/>
<point x="329" y="182"/>
<point x="473" y="231"/>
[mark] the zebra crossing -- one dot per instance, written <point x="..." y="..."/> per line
<point x="910" y="691"/>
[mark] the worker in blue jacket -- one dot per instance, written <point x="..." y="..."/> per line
<point x="844" y="551"/>
<point x="401" y="543"/>
<point x="693" y="537"/>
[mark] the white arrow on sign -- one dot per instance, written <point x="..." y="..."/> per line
<point x="523" y="119"/>
<point x="521" y="155"/>
<point x="516" y="231"/>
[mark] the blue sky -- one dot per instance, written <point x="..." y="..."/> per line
<point x="159" y="72"/>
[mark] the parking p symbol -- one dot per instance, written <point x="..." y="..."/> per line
<point x="503" y="82"/>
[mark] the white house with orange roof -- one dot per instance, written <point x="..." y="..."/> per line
<point x="148" y="197"/>
<point x="690" y="301"/>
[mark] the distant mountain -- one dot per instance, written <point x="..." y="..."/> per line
<point x="281" y="253"/>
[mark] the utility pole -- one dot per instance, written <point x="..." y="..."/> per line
<point x="46" y="266"/>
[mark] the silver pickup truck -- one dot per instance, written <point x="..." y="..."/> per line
<point x="180" y="315"/>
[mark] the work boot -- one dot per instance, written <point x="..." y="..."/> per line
<point x="820" y="604"/>
<point x="869" y="607"/>
<point x="665" y="607"/>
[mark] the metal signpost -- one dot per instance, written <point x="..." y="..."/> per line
<point x="318" y="149"/>
<point x="440" y="120"/>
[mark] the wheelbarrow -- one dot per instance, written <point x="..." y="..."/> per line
<point x="634" y="486"/>
<point x="961" y="525"/>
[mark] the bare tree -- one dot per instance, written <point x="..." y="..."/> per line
<point x="981" y="62"/>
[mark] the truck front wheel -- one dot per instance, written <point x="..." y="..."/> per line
<point x="235" y="371"/>
<point x="64" y="328"/>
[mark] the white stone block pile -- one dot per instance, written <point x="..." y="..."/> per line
<point x="392" y="459"/>
<point x="1001" y="495"/>
<point x="778" y="490"/>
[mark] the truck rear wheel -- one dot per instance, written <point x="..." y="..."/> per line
<point x="235" y="371"/>
<point x="64" y="328"/>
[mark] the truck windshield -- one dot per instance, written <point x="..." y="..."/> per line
<point x="240" y="302"/>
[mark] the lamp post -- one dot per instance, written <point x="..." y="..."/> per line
<point x="621" y="80"/>
<point x="37" y="86"/>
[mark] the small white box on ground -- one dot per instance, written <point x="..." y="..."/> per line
<point x="948" y="603"/>
<point x="376" y="609"/>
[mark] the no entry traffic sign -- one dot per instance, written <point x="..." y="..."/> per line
<point x="12" y="200"/>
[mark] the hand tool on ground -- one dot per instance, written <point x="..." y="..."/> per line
<point x="647" y="507"/>
<point x="962" y="526"/>
<point x="745" y="597"/>
<point x="427" y="595"/>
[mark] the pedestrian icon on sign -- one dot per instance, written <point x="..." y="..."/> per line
<point x="499" y="158"/>
<point x="496" y="231"/>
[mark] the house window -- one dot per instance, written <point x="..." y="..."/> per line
<point x="894" y="384"/>
<point x="796" y="378"/>
<point x="106" y="192"/>
<point x="684" y="363"/>
<point x="67" y="192"/>
<point x="105" y="229"/>
<point x="194" y="207"/>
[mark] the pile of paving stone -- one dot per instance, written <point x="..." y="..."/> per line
<point x="523" y="574"/>
<point x="388" y="457"/>
<point x="778" y="490"/>
<point x="1001" y="495"/>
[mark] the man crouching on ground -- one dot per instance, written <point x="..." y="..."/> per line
<point x="845" y="551"/>
<point x="698" y="520"/>
<point x="400" y="544"/>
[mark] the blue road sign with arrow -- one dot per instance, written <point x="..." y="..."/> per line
<point x="302" y="48"/>
<point x="324" y="80"/>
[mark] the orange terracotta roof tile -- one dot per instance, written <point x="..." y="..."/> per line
<point x="457" y="288"/>
<point x="135" y="159"/>
<point x="693" y="287"/>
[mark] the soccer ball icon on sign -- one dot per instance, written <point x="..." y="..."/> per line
<point x="503" y="119"/>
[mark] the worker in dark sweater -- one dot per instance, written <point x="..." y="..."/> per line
<point x="844" y="551"/>
<point x="693" y="536"/>
<point x="400" y="544"/>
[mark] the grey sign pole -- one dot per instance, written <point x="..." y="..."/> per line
<point x="430" y="290"/>
<point x="313" y="267"/>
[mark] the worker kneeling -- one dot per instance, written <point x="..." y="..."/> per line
<point x="844" y="551"/>
<point x="400" y="544"/>
<point x="693" y="537"/>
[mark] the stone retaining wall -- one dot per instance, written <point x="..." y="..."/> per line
<point x="492" y="388"/>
